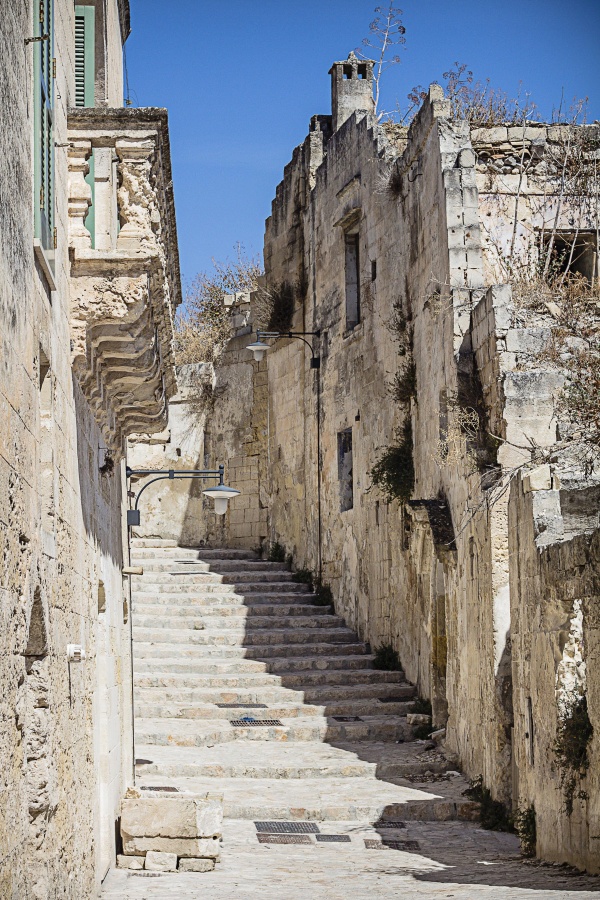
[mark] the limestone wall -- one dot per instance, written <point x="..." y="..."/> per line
<point x="65" y="727"/>
<point x="555" y="590"/>
<point x="432" y="576"/>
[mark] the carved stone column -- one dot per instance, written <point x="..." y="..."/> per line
<point x="80" y="193"/>
<point x="137" y="200"/>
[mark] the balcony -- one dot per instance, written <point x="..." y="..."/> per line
<point x="124" y="271"/>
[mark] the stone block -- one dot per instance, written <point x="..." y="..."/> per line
<point x="467" y="159"/>
<point x="130" y="862"/>
<point x="161" y="862"/>
<point x="171" y="817"/>
<point x="418" y="719"/>
<point x="196" y="865"/>
<point x="489" y="135"/>
<point x="206" y="848"/>
<point x="538" y="479"/>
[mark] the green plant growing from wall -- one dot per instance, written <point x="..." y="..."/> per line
<point x="573" y="736"/>
<point x="303" y="576"/>
<point x="276" y="552"/>
<point x="323" y="595"/>
<point x="394" y="471"/>
<point x="525" y="826"/>
<point x="386" y="659"/>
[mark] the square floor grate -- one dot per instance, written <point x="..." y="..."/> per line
<point x="333" y="838"/>
<point x="242" y="723"/>
<point x="283" y="839"/>
<point x="373" y="844"/>
<point x="346" y="718"/>
<point x="159" y="787"/>
<point x="410" y="846"/>
<point x="242" y="705"/>
<point x="287" y="827"/>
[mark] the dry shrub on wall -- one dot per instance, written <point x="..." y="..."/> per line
<point x="202" y="327"/>
<point x="275" y="304"/>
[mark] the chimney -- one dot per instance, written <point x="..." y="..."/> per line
<point x="351" y="88"/>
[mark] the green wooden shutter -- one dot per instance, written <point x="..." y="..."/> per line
<point x="85" y="78"/>
<point x="84" y="56"/>
<point x="43" y="124"/>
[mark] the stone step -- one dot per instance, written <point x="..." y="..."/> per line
<point x="199" y="733"/>
<point x="285" y="761"/>
<point x="204" y="553"/>
<point x="217" y="662"/>
<point x="242" y="624"/>
<point x="183" y="576"/>
<point x="216" y="594"/>
<point x="157" y="543"/>
<point x="259" y="637"/>
<point x="171" y="709"/>
<point x="212" y="583"/>
<point x="310" y="652"/>
<point x="318" y="800"/>
<point x="180" y="673"/>
<point x="228" y="610"/>
<point x="247" y="565"/>
<point x="311" y="648"/>
<point x="335" y="683"/>
<point x="243" y="577"/>
<point x="320" y="694"/>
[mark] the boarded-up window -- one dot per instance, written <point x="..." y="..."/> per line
<point x="345" y="469"/>
<point x="352" y="282"/>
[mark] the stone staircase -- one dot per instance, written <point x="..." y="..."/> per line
<point x="222" y="636"/>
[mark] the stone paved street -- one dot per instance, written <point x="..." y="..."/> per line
<point x="459" y="861"/>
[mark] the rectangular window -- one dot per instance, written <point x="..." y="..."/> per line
<point x="43" y="68"/>
<point x="84" y="56"/>
<point x="85" y="82"/>
<point x="352" y="282"/>
<point x="345" y="469"/>
<point x="575" y="252"/>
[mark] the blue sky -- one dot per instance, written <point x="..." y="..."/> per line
<point x="241" y="79"/>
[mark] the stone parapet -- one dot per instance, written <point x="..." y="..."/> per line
<point x="125" y="280"/>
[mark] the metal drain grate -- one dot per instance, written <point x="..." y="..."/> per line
<point x="287" y="827"/>
<point x="160" y="787"/>
<point x="347" y="718"/>
<point x="389" y="824"/>
<point x="242" y="705"/>
<point x="374" y="845"/>
<point x="403" y="845"/>
<point x="242" y="723"/>
<point x="409" y="846"/>
<point x="333" y="838"/>
<point x="283" y="839"/>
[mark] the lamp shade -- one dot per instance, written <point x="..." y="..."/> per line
<point x="221" y="494"/>
<point x="258" y="349"/>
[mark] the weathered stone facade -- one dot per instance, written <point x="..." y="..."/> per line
<point x="395" y="243"/>
<point x="69" y="312"/>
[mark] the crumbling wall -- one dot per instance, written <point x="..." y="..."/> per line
<point x="555" y="593"/>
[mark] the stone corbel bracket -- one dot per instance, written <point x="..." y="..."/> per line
<point x="124" y="294"/>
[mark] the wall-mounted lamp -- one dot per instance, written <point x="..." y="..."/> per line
<point x="220" y="493"/>
<point x="259" y="348"/>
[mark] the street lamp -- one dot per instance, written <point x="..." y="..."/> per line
<point x="220" y="493"/>
<point x="259" y="348"/>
